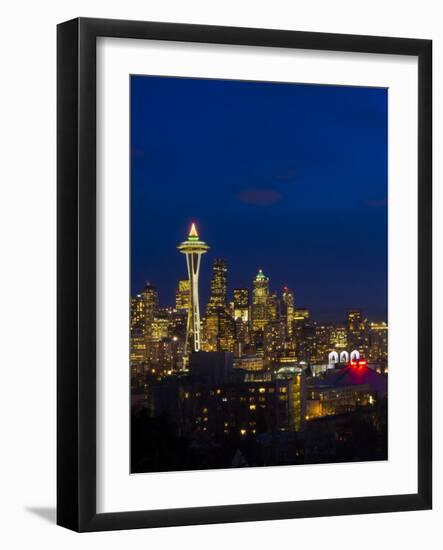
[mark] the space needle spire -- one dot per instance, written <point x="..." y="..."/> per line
<point x="193" y="248"/>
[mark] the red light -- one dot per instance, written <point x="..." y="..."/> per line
<point x="358" y="365"/>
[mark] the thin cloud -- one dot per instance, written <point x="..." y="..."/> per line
<point x="259" y="197"/>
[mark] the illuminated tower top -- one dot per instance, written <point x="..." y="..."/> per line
<point x="193" y="244"/>
<point x="193" y="231"/>
<point x="261" y="276"/>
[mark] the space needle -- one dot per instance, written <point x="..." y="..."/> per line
<point x="193" y="248"/>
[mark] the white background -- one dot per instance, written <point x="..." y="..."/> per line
<point x="27" y="300"/>
<point x="116" y="490"/>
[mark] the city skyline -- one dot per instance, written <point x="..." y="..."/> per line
<point x="258" y="326"/>
<point x="230" y="290"/>
<point x="258" y="191"/>
<point x="253" y="381"/>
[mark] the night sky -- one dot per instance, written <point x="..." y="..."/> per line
<point x="289" y="178"/>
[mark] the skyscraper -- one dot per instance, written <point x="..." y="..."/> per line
<point x="193" y="248"/>
<point x="241" y="304"/>
<point x="378" y="342"/>
<point x="137" y="340"/>
<point x="219" y="330"/>
<point x="241" y="314"/>
<point x="303" y="335"/>
<point x="274" y="338"/>
<point x="357" y="332"/>
<point x="287" y="309"/>
<point x="273" y="312"/>
<point x="182" y="295"/>
<point x="260" y="294"/>
<point x="137" y="313"/>
<point x="219" y="285"/>
<point x="339" y="339"/>
<point x="149" y="297"/>
<point x="144" y="307"/>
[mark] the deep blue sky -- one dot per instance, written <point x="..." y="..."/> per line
<point x="290" y="178"/>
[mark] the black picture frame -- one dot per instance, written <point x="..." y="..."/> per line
<point x="76" y="295"/>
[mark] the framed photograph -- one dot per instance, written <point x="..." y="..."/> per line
<point x="244" y="274"/>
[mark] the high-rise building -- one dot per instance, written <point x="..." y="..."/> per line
<point x="144" y="307"/>
<point x="339" y="339"/>
<point x="241" y="304"/>
<point x="160" y="328"/>
<point x="193" y="248"/>
<point x="183" y="295"/>
<point x="219" y="329"/>
<point x="149" y="296"/>
<point x="137" y="313"/>
<point x="274" y="340"/>
<point x="260" y="294"/>
<point x="322" y="343"/>
<point x="301" y="314"/>
<point x="305" y="342"/>
<point x="241" y="315"/>
<point x="357" y="332"/>
<point x="219" y="285"/>
<point x="137" y="347"/>
<point x="378" y="342"/>
<point x="287" y="309"/>
<point x="273" y="307"/>
<point x="303" y="334"/>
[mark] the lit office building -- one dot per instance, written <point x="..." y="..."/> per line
<point x="274" y="340"/>
<point x="378" y="342"/>
<point x="287" y="309"/>
<point x="137" y="313"/>
<point x="219" y="285"/>
<point x="241" y="304"/>
<point x="149" y="297"/>
<point x="300" y="315"/>
<point x="322" y="343"/>
<point x="182" y="295"/>
<point x="357" y="332"/>
<point x="137" y="347"/>
<point x="159" y="329"/>
<point x="339" y="338"/>
<point x="260" y="294"/>
<point x="219" y="329"/>
<point x="305" y="343"/>
<point x="273" y="307"/>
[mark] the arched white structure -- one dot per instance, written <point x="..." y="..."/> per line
<point x="355" y="355"/>
<point x="333" y="358"/>
<point x="344" y="357"/>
